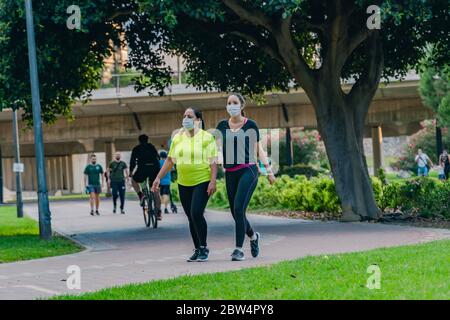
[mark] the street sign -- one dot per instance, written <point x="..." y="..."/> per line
<point x="18" y="167"/>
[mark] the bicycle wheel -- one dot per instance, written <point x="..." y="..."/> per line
<point x="152" y="211"/>
<point x="146" y="209"/>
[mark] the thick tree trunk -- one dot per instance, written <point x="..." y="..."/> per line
<point x="342" y="128"/>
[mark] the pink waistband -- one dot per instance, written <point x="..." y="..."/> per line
<point x="240" y="166"/>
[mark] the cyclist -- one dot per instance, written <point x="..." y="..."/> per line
<point x="165" y="182"/>
<point x="146" y="158"/>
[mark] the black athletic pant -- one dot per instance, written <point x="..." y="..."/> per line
<point x="240" y="186"/>
<point x="118" y="190"/>
<point x="194" y="200"/>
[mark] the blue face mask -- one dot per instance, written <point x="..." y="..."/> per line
<point x="234" y="109"/>
<point x="188" y="123"/>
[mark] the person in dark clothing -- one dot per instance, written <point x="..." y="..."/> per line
<point x="117" y="171"/>
<point x="241" y="149"/>
<point x="144" y="163"/>
<point x="444" y="162"/>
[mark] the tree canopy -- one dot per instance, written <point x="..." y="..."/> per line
<point x="435" y="90"/>
<point x="252" y="46"/>
<point x="228" y="43"/>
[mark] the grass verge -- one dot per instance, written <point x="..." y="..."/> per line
<point x="19" y="239"/>
<point x="408" y="272"/>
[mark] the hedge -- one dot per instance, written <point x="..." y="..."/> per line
<point x="425" y="197"/>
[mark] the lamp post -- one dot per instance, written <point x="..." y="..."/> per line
<point x="19" y="202"/>
<point x="45" y="229"/>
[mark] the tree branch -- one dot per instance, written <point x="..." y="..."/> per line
<point x="260" y="43"/>
<point x="253" y="15"/>
<point x="365" y="87"/>
<point x="280" y="29"/>
<point x="119" y="13"/>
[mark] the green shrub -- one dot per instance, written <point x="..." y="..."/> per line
<point x="425" y="197"/>
<point x="300" y="169"/>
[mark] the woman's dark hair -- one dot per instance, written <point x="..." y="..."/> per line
<point x="198" y="115"/>
<point x="163" y="154"/>
<point x="241" y="100"/>
<point x="143" y="138"/>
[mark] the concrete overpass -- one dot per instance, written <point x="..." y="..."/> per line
<point x="112" y="120"/>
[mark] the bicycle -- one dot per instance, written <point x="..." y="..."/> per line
<point x="148" y="206"/>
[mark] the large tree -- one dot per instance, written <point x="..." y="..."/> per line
<point x="70" y="61"/>
<point x="265" y="45"/>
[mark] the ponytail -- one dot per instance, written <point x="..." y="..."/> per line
<point x="198" y="115"/>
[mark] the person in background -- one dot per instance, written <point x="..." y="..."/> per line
<point x="116" y="173"/>
<point x="422" y="163"/>
<point x="164" y="187"/>
<point x="92" y="174"/>
<point x="444" y="163"/>
<point x="145" y="159"/>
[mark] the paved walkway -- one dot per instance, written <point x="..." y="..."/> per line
<point x="121" y="250"/>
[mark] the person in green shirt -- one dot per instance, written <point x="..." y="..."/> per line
<point x="92" y="174"/>
<point x="117" y="171"/>
<point x="195" y="153"/>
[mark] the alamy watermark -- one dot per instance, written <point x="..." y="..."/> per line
<point x="74" y="280"/>
<point x="374" y="280"/>
<point x="74" y="20"/>
<point x="244" y="140"/>
<point x="374" y="21"/>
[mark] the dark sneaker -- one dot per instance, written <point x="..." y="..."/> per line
<point x="237" y="255"/>
<point x="141" y="198"/>
<point x="114" y="210"/>
<point x="97" y="213"/>
<point x="92" y="212"/>
<point x="159" y="215"/>
<point x="194" y="257"/>
<point x="254" y="245"/>
<point x="166" y="211"/>
<point x="203" y="254"/>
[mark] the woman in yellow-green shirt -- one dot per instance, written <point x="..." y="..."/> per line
<point x="195" y="153"/>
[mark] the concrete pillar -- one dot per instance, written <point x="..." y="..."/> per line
<point x="289" y="152"/>
<point x="110" y="149"/>
<point x="377" y="146"/>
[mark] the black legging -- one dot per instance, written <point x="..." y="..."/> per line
<point x="118" y="190"/>
<point x="194" y="200"/>
<point x="240" y="186"/>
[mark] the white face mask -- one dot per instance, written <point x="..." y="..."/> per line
<point x="234" y="109"/>
<point x="188" y="123"/>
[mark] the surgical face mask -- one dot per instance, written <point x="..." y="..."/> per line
<point x="188" y="123"/>
<point x="234" y="109"/>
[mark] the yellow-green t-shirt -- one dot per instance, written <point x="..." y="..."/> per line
<point x="193" y="156"/>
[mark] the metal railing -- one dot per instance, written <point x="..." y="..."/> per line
<point x="123" y="80"/>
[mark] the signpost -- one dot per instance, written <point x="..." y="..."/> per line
<point x="18" y="167"/>
<point x="45" y="229"/>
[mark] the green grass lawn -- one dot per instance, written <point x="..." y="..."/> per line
<point x="409" y="272"/>
<point x="19" y="239"/>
